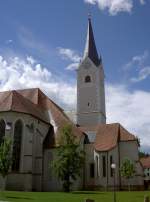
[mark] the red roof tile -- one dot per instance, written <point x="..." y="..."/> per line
<point x="35" y="102"/>
<point x="108" y="136"/>
<point x="13" y="101"/>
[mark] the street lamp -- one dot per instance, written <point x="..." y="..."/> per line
<point x="113" y="167"/>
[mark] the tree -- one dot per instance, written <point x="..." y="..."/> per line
<point x="143" y="154"/>
<point x="127" y="170"/>
<point x="69" y="158"/>
<point x="5" y="157"/>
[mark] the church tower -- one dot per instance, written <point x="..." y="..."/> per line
<point x="90" y="85"/>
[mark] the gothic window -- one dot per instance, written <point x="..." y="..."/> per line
<point x="104" y="165"/>
<point x="97" y="166"/>
<point x="87" y="79"/>
<point x="2" y="130"/>
<point x="18" y="130"/>
<point x="92" y="170"/>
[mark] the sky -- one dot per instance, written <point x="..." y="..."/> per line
<point x="42" y="43"/>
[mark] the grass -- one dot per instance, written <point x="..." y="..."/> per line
<point x="72" y="197"/>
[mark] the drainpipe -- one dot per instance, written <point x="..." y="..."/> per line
<point x="107" y="171"/>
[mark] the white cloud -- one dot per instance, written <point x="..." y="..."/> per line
<point x="142" y="2"/>
<point x="72" y="66"/>
<point x="144" y="73"/>
<point x="70" y="55"/>
<point x="131" y="109"/>
<point x="67" y="53"/>
<point x="31" y="60"/>
<point x="137" y="61"/>
<point x="139" y="64"/>
<point x="17" y="73"/>
<point x="114" y="6"/>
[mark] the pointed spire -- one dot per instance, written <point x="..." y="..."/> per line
<point x="90" y="47"/>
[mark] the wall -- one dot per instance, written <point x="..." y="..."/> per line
<point x="89" y="159"/>
<point x="92" y="93"/>
<point x="130" y="150"/>
<point x="107" y="181"/>
<point x="31" y="151"/>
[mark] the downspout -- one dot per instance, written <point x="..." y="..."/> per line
<point x="119" y="159"/>
<point x="84" y="166"/>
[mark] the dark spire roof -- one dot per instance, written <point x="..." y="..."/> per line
<point x="90" y="47"/>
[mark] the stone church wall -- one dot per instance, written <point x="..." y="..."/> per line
<point x="130" y="150"/>
<point x="29" y="176"/>
<point x="107" y="180"/>
<point x="89" y="182"/>
<point x="90" y="95"/>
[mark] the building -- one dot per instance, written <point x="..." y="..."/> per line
<point x="145" y="161"/>
<point x="34" y="122"/>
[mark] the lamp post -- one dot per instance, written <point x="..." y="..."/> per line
<point x="113" y="166"/>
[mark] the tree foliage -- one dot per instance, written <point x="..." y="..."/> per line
<point x="69" y="158"/>
<point x="143" y="154"/>
<point x="5" y="156"/>
<point x="127" y="170"/>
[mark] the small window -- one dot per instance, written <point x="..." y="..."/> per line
<point x="88" y="104"/>
<point x="104" y="165"/>
<point x="87" y="79"/>
<point x="92" y="170"/>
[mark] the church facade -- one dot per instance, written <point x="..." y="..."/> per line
<point x="34" y="122"/>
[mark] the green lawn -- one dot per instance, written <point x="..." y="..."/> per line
<point x="72" y="197"/>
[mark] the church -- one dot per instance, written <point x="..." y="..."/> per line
<point x="34" y="122"/>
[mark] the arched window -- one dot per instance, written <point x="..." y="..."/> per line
<point x="87" y="79"/>
<point x="2" y="130"/>
<point x="18" y="129"/>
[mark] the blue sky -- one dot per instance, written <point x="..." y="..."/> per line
<point x="40" y="39"/>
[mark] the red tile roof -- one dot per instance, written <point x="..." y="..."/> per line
<point x="36" y="103"/>
<point x="13" y="101"/>
<point x="145" y="161"/>
<point x="108" y="135"/>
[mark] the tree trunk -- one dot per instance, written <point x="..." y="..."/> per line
<point x="67" y="183"/>
<point x="3" y="184"/>
<point x="129" y="186"/>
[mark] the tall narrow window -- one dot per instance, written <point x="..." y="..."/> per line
<point x="87" y="79"/>
<point x="97" y="166"/>
<point x="104" y="165"/>
<point x="18" y="129"/>
<point x="92" y="170"/>
<point x="2" y="130"/>
<point x="111" y="170"/>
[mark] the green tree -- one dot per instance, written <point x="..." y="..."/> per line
<point x="5" y="157"/>
<point x="143" y="154"/>
<point x="69" y="158"/>
<point x="127" y="170"/>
